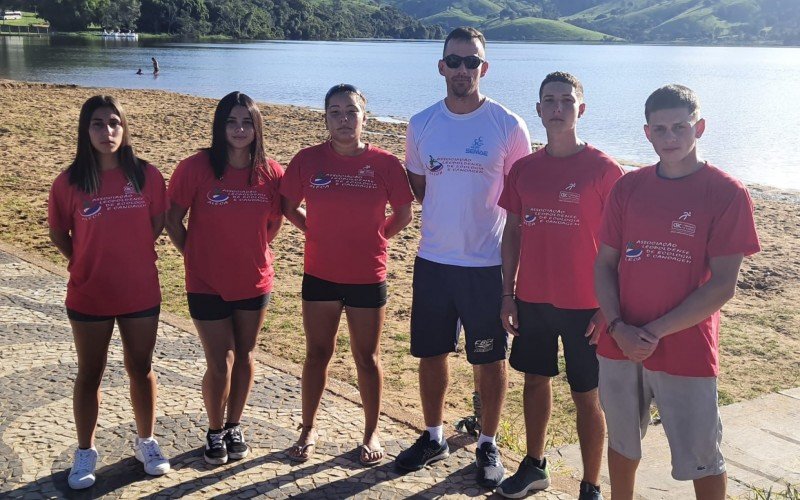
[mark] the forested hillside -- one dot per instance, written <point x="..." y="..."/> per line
<point x="686" y="21"/>
<point x="245" y="19"/>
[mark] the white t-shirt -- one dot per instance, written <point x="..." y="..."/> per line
<point x="464" y="159"/>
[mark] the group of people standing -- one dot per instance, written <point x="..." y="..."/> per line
<point x="556" y="243"/>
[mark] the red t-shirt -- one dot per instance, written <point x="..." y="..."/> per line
<point x="560" y="204"/>
<point x="346" y="199"/>
<point x="666" y="230"/>
<point x="226" y="251"/>
<point x="113" y="266"/>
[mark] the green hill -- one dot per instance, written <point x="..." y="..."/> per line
<point x="694" y="21"/>
<point x="538" y="29"/>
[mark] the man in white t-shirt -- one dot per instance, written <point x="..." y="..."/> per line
<point x="457" y="154"/>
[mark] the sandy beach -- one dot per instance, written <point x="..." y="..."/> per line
<point x="760" y="340"/>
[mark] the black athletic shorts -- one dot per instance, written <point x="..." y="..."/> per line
<point x="79" y="316"/>
<point x="446" y="297"/>
<point x="210" y="307"/>
<point x="535" y="349"/>
<point x="371" y="295"/>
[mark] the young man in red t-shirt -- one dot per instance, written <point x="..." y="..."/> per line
<point x="673" y="238"/>
<point x="554" y="201"/>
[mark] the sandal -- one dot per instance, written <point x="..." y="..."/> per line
<point x="302" y="452"/>
<point x="366" y="451"/>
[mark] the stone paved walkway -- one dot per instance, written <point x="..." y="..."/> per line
<point x="37" y="433"/>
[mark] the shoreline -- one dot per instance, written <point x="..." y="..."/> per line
<point x="757" y="190"/>
<point x="146" y="36"/>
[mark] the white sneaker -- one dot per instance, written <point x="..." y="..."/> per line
<point x="82" y="473"/>
<point x="148" y="452"/>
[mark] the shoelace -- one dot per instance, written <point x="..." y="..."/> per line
<point x="492" y="456"/>
<point x="151" y="450"/>
<point x="83" y="460"/>
<point x="216" y="440"/>
<point x="423" y="441"/>
<point x="235" y="434"/>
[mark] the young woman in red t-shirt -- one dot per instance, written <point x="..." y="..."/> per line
<point x="105" y="211"/>
<point x="231" y="193"/>
<point x="346" y="185"/>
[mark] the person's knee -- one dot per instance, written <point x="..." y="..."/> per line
<point x="433" y="362"/>
<point x="366" y="361"/>
<point x="220" y="366"/>
<point x="319" y="354"/>
<point x="492" y="380"/>
<point x="533" y="381"/>
<point x="587" y="402"/>
<point x="138" y="369"/>
<point x="243" y="358"/>
<point x="492" y="368"/>
<point x="89" y="378"/>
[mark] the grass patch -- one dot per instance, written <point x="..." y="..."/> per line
<point x="28" y="19"/>
<point x="534" y="28"/>
<point x="790" y="493"/>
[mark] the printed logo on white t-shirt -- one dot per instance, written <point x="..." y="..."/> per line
<point x="434" y="166"/>
<point x="567" y="195"/>
<point x="682" y="226"/>
<point x="477" y="148"/>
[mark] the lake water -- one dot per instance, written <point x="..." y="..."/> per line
<point x="750" y="96"/>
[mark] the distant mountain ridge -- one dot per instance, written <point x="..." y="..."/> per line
<point x="691" y="21"/>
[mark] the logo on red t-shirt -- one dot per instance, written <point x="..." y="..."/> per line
<point x="434" y="166"/>
<point x="217" y="197"/>
<point x="90" y="209"/>
<point x="633" y="253"/>
<point x="129" y="189"/>
<point x="366" y="171"/>
<point x="321" y="180"/>
<point x="680" y="226"/>
<point x="567" y="195"/>
<point x="530" y="217"/>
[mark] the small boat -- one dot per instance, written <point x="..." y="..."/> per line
<point x="119" y="35"/>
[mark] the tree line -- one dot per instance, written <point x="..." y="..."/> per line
<point x="243" y="19"/>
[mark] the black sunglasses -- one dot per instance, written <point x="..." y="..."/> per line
<point x="470" y="62"/>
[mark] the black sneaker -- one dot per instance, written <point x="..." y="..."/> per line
<point x="422" y="452"/>
<point x="589" y="492"/>
<point x="216" y="453"/>
<point x="528" y="477"/>
<point x="490" y="469"/>
<point x="234" y="442"/>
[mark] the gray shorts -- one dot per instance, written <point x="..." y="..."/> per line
<point x="688" y="410"/>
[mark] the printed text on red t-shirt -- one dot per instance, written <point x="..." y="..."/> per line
<point x="534" y="215"/>
<point x="661" y="250"/>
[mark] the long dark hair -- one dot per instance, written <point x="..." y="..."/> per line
<point x="260" y="169"/>
<point x="84" y="171"/>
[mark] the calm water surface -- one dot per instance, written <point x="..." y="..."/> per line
<point x="749" y="95"/>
